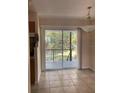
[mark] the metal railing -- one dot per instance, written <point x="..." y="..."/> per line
<point x="53" y="55"/>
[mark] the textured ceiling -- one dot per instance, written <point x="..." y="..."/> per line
<point x="64" y="8"/>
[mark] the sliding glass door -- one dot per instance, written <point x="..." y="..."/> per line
<point x="60" y="49"/>
<point x="70" y="49"/>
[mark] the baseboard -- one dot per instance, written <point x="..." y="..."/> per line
<point x="88" y="69"/>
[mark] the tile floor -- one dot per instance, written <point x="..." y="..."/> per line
<point x="66" y="81"/>
<point x="59" y="64"/>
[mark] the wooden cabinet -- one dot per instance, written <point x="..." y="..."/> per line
<point x="32" y="55"/>
<point x="32" y="70"/>
<point x="32" y="26"/>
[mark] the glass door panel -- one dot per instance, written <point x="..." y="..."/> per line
<point x="70" y="49"/>
<point x="53" y="48"/>
<point x="66" y="46"/>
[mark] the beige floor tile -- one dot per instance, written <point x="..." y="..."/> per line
<point x="54" y="78"/>
<point x="44" y="86"/>
<point x="84" y="89"/>
<point x="44" y="78"/>
<point x="78" y="83"/>
<point x="71" y="89"/>
<point x="55" y="84"/>
<point x="57" y="90"/>
<point x="43" y="90"/>
<point x="43" y="82"/>
<point x="65" y="77"/>
<point x="66" y="81"/>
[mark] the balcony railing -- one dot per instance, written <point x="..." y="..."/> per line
<point x="54" y="55"/>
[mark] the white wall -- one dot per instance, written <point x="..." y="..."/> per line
<point x="91" y="49"/>
<point x="65" y="21"/>
<point x="88" y="50"/>
<point x="85" y="59"/>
